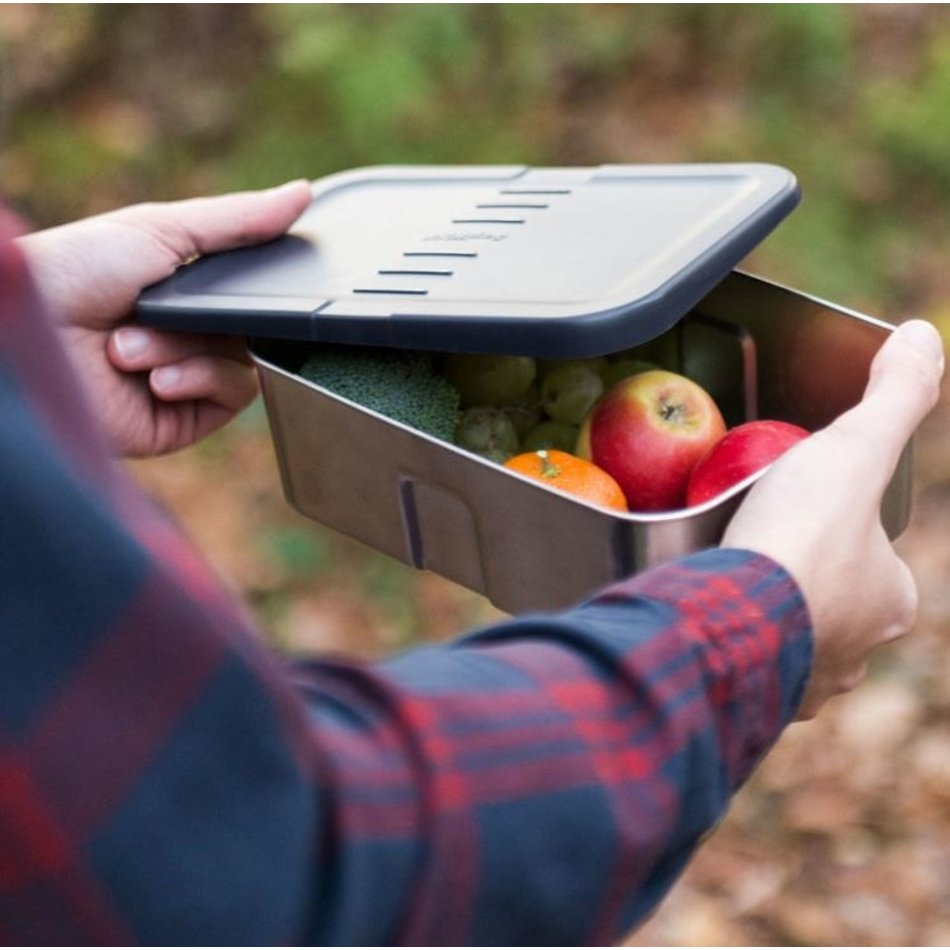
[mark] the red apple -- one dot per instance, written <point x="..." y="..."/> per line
<point x="741" y="452"/>
<point x="648" y="431"/>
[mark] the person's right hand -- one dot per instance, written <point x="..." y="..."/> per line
<point x="817" y="513"/>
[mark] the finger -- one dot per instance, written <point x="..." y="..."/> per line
<point x="903" y="387"/>
<point x="203" y="225"/>
<point x="224" y="382"/>
<point x="136" y="349"/>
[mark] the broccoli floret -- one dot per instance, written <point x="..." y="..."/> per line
<point x="400" y="384"/>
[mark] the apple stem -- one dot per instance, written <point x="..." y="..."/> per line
<point x="671" y="410"/>
<point x="548" y="468"/>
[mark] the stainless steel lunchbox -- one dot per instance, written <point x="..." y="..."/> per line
<point x="548" y="262"/>
<point x="763" y="350"/>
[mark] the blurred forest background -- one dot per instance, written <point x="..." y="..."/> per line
<point x="843" y="835"/>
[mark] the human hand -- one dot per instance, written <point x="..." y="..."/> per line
<point x="153" y="391"/>
<point x="817" y="513"/>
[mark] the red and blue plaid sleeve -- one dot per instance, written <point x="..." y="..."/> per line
<point x="165" y="780"/>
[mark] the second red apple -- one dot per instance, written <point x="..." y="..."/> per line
<point x="741" y="452"/>
<point x="648" y="432"/>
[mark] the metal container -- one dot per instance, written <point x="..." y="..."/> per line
<point x="761" y="350"/>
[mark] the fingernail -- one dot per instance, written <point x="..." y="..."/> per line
<point x="165" y="378"/>
<point x="925" y="337"/>
<point x="131" y="342"/>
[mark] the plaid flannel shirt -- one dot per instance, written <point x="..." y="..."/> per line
<point x="166" y="780"/>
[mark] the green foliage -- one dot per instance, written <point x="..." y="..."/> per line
<point x="398" y="384"/>
<point x="297" y="551"/>
<point x="802" y="47"/>
<point x="384" y="583"/>
<point x="109" y="105"/>
<point x="909" y="119"/>
<point x="437" y="83"/>
<point x="67" y="157"/>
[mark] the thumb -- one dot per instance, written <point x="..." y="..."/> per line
<point x="903" y="386"/>
<point x="204" y="225"/>
<point x="92" y="271"/>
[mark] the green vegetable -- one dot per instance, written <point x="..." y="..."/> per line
<point x="568" y="391"/>
<point x="525" y="412"/>
<point x="487" y="431"/>
<point x="400" y="384"/>
<point x="551" y="434"/>
<point x="490" y="379"/>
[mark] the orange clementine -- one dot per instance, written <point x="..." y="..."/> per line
<point x="570" y="474"/>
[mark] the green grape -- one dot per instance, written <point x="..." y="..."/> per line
<point x="551" y="435"/>
<point x="525" y="412"/>
<point x="498" y="456"/>
<point x="485" y="379"/>
<point x="488" y="432"/>
<point x="569" y="391"/>
<point x="546" y="366"/>
<point x="614" y="372"/>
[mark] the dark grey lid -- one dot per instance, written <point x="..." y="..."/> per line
<point x="547" y="261"/>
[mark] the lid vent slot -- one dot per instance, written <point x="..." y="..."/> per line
<point x="415" y="273"/>
<point x="390" y="290"/>
<point x="440" y="254"/>
<point x="488" y="221"/>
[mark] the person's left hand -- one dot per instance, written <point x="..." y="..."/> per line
<point x="153" y="391"/>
